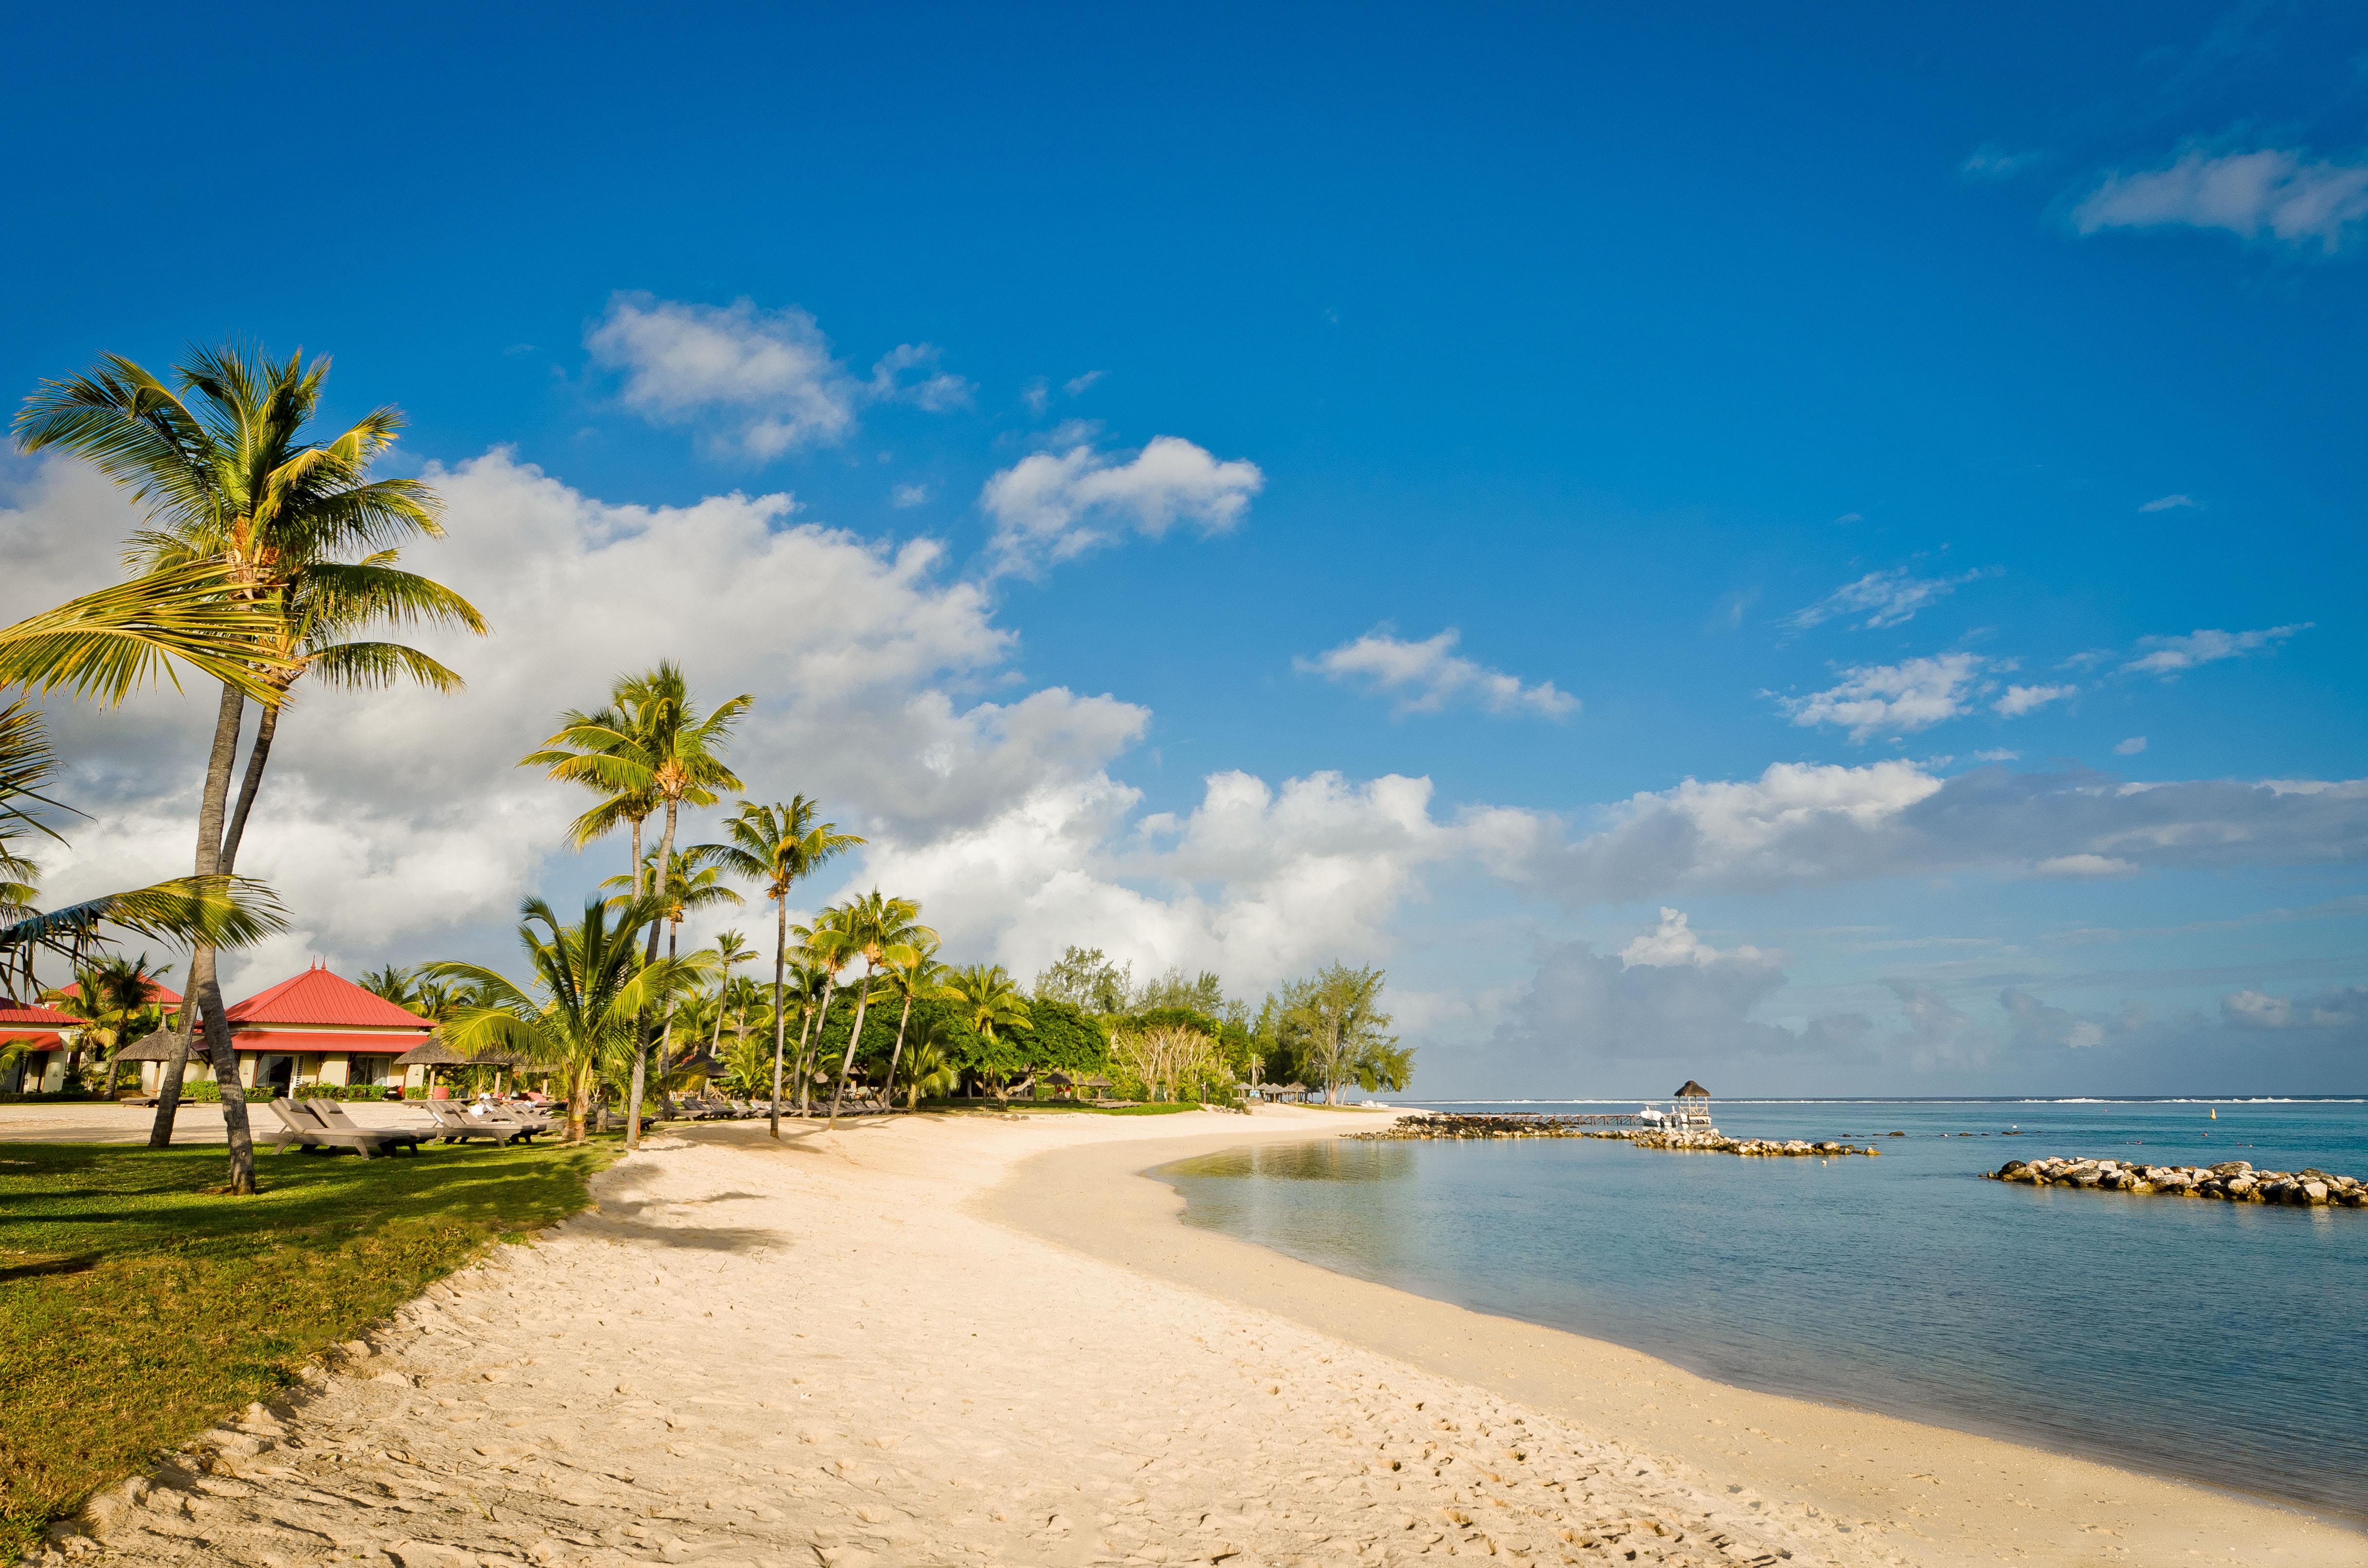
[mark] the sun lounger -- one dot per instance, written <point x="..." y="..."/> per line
<point x="332" y="1117"/>
<point x="452" y="1127"/>
<point x="298" y="1126"/>
<point x="509" y="1126"/>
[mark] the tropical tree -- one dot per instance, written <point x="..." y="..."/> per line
<point x="921" y="978"/>
<point x="394" y="984"/>
<point x="238" y="495"/>
<point x="650" y="748"/>
<point x="114" y="1000"/>
<point x="776" y="847"/>
<point x="692" y="882"/>
<point x="581" y="1007"/>
<point x="990" y="1002"/>
<point x="1335" y="1020"/>
<point x="1167" y="1058"/>
<point x="1087" y="981"/>
<point x="731" y="948"/>
<point x="883" y="931"/>
<point x="928" y="1073"/>
<point x="226" y="912"/>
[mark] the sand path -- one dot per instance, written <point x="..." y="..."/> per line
<point x="826" y="1352"/>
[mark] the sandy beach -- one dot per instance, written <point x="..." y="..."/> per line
<point x="986" y="1340"/>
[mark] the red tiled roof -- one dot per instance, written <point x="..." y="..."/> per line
<point x="16" y="1015"/>
<point x="299" y="1041"/>
<point x="156" y="993"/>
<point x="317" y="997"/>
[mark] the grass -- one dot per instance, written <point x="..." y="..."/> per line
<point x="137" y="1309"/>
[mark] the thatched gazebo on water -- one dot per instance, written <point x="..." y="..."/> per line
<point x="1693" y="1105"/>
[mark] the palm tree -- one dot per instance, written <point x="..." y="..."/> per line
<point x="821" y="954"/>
<point x="927" y="1072"/>
<point x="115" y="999"/>
<point x="883" y="932"/>
<point x="991" y="999"/>
<point x="692" y="882"/>
<point x="226" y="912"/>
<point x="910" y="980"/>
<point x="582" y="1006"/>
<point x="650" y="747"/>
<point x="234" y="488"/>
<point x="394" y="984"/>
<point x="776" y="847"/>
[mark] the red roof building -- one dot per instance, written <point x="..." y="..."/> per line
<point x="319" y="1027"/>
<point x="163" y="995"/>
<point x="32" y="1030"/>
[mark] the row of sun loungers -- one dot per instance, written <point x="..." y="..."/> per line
<point x="309" y="1125"/>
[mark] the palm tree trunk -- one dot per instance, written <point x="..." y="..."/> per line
<point x="665" y="1037"/>
<point x="780" y="1023"/>
<point x="897" y="1055"/>
<point x="649" y="955"/>
<point x="258" y="756"/>
<point x="205" y="987"/>
<point x="814" y="1028"/>
<point x="862" y="1000"/>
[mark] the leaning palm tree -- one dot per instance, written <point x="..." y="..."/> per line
<point x="883" y="932"/>
<point x="918" y="979"/>
<point x="991" y="1000"/>
<point x="650" y="745"/>
<point x="224" y="912"/>
<point x="581" y="1007"/>
<point x="234" y="488"/>
<point x="776" y="847"/>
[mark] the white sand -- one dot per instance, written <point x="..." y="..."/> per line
<point x="832" y="1351"/>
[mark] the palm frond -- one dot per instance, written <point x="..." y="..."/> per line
<point x="109" y="643"/>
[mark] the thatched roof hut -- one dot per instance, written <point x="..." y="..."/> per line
<point x="1692" y="1091"/>
<point x="154" y="1046"/>
<point x="434" y="1052"/>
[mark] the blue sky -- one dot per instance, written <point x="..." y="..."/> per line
<point x="1740" y="392"/>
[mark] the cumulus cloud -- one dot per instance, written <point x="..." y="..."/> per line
<point x="1674" y="941"/>
<point x="2130" y="747"/>
<point x="1429" y="675"/>
<point x="758" y="383"/>
<point x="2169" y="655"/>
<point x="2271" y="194"/>
<point x="1887" y="598"/>
<point x="2170" y="503"/>
<point x="1873" y="700"/>
<point x="2345" y="1007"/>
<point x="2021" y="699"/>
<point x="1050" y="506"/>
<point x="1800" y="825"/>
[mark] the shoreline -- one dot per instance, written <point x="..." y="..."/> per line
<point x="1937" y="1493"/>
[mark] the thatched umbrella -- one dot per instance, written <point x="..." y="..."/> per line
<point x="156" y="1045"/>
<point x="432" y="1053"/>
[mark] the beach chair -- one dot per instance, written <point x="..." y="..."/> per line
<point x="298" y="1126"/>
<point x="332" y="1117"/>
<point x="509" y="1129"/>
<point x="453" y="1127"/>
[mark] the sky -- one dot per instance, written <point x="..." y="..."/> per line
<point x="1816" y="552"/>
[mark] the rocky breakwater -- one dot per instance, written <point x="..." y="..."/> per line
<point x="1516" y="1125"/>
<point x="1718" y="1143"/>
<point x="2232" y="1181"/>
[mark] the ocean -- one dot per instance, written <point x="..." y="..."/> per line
<point x="2216" y="1342"/>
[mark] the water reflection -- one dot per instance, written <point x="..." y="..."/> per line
<point x="2212" y="1340"/>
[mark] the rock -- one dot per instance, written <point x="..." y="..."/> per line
<point x="2233" y="1168"/>
<point x="2314" y="1192"/>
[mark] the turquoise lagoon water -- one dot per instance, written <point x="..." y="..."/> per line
<point x="2225" y="1343"/>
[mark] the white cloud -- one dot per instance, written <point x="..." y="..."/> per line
<point x="2270" y="192"/>
<point x="1076" y="385"/>
<point x="1429" y="675"/>
<point x="1800" y="825"/>
<point x="1989" y="162"/>
<point x="2169" y="655"/>
<point x="1888" y="599"/>
<point x="2130" y="747"/>
<point x="1674" y="941"/>
<point x="1050" y="506"/>
<point x="1873" y="700"/>
<point x="2021" y="699"/>
<point x="2084" y="868"/>
<point x="2038" y="1027"/>
<point x="905" y="495"/>
<point x="758" y="383"/>
<point x="2345" y="1007"/>
<point x="1997" y="753"/>
<point x="2170" y="503"/>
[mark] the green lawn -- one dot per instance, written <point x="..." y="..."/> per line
<point x="136" y="1309"/>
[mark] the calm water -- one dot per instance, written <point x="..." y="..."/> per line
<point x="2223" y="1342"/>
